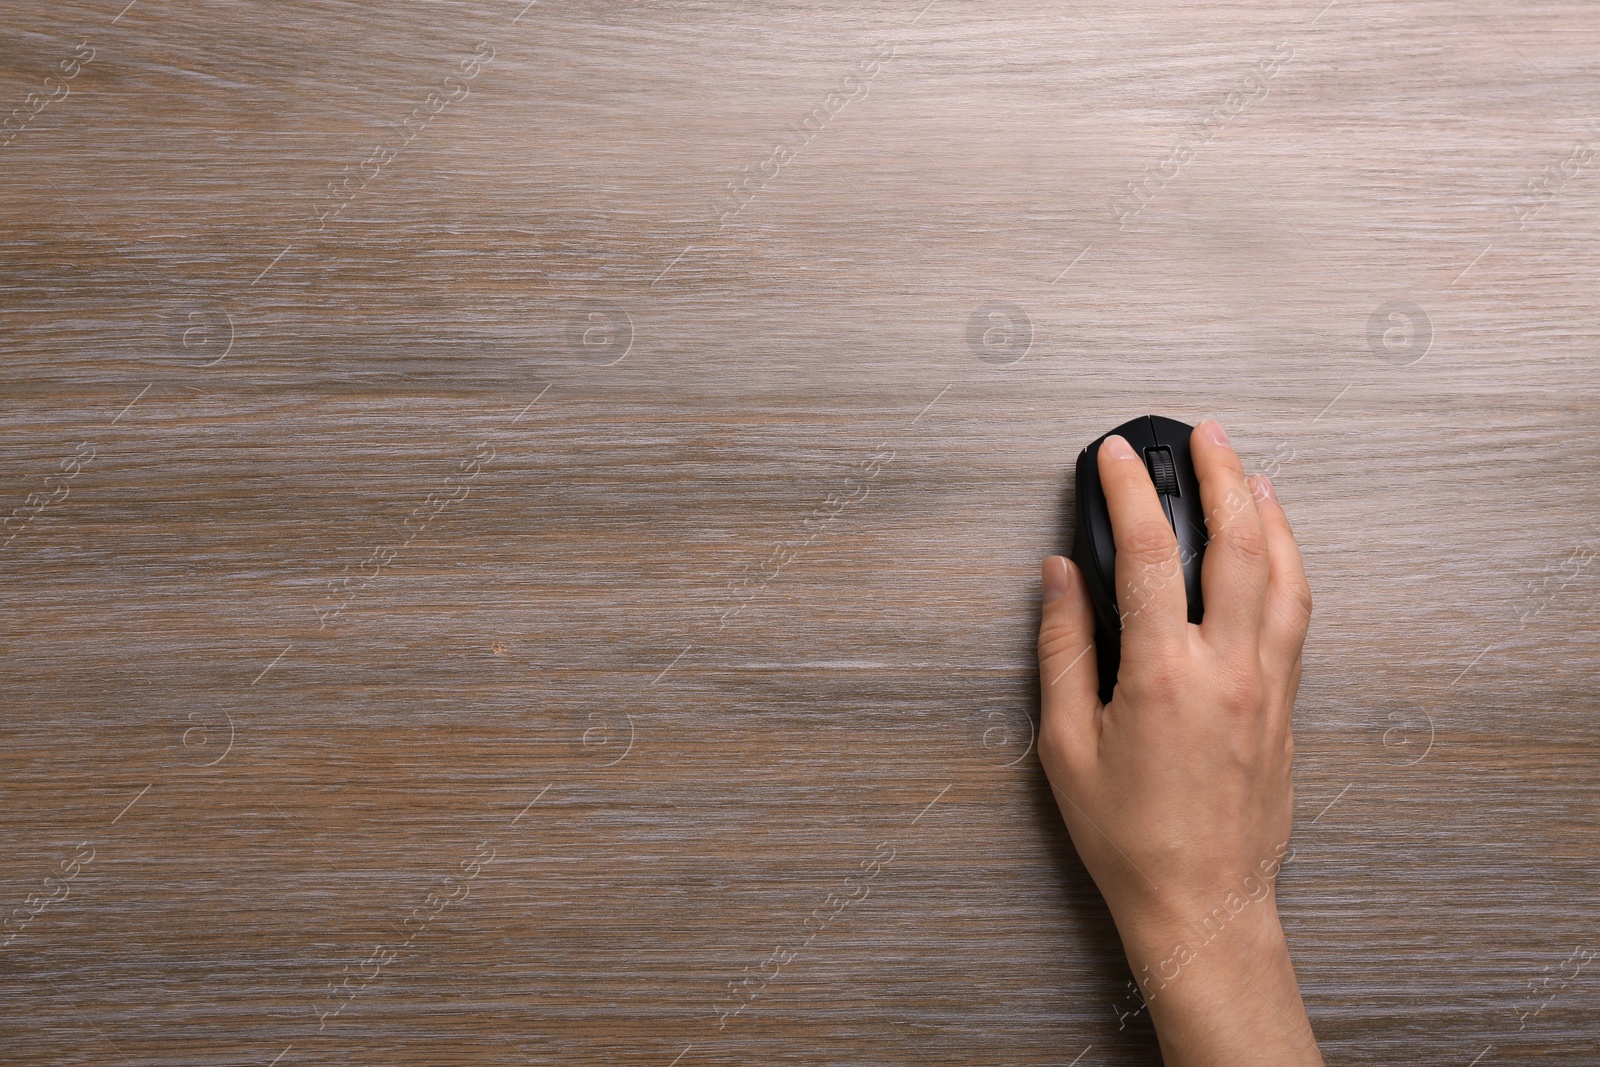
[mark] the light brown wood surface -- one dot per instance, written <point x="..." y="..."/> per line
<point x="725" y="613"/>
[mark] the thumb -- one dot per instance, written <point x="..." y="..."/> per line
<point x="1069" y="684"/>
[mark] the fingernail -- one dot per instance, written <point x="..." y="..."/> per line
<point x="1217" y="434"/>
<point x="1057" y="578"/>
<point x="1262" y="489"/>
<point x="1119" y="448"/>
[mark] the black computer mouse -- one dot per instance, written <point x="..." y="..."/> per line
<point x="1164" y="445"/>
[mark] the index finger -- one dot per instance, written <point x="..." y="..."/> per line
<point x="1151" y="599"/>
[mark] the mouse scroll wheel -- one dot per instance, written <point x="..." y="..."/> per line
<point x="1162" y="471"/>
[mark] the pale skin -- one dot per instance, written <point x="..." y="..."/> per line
<point x="1178" y="793"/>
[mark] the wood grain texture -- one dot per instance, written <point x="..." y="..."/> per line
<point x="426" y="475"/>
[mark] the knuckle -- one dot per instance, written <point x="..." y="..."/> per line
<point x="1240" y="688"/>
<point x="1159" y="680"/>
<point x="1067" y="763"/>
<point x="1053" y="745"/>
<point x="1292" y="603"/>
<point x="1235" y="500"/>
<point x="1058" y="642"/>
<point x="1150" y="545"/>
<point x="1247" y="540"/>
<point x="1300" y="597"/>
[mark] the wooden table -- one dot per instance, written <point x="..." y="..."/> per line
<point x="523" y="521"/>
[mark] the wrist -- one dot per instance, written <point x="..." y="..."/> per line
<point x="1158" y="927"/>
<point x="1233" y="934"/>
<point x="1226" y="965"/>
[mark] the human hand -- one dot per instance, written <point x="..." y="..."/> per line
<point x="1177" y="793"/>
